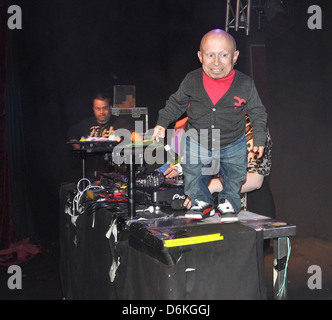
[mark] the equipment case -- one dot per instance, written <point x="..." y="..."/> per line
<point x="137" y="116"/>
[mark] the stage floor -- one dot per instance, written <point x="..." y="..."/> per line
<point x="41" y="279"/>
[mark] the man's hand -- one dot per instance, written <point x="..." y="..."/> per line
<point x="172" y="171"/>
<point x="159" y="132"/>
<point x="259" y="151"/>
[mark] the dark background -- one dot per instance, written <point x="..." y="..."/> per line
<point x="68" y="50"/>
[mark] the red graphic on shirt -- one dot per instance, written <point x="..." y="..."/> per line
<point x="239" y="102"/>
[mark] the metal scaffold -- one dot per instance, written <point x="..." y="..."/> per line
<point x="240" y="17"/>
<point x="273" y="12"/>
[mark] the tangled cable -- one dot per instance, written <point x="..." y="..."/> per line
<point x="110" y="200"/>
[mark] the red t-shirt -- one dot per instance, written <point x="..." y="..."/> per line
<point x="216" y="88"/>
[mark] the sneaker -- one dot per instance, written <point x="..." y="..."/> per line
<point x="226" y="211"/>
<point x="201" y="210"/>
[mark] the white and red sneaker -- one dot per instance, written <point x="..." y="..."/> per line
<point x="201" y="210"/>
<point x="226" y="211"/>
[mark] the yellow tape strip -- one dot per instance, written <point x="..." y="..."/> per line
<point x="193" y="240"/>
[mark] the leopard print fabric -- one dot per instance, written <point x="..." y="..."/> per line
<point x="261" y="166"/>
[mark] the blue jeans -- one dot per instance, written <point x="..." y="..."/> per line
<point x="200" y="165"/>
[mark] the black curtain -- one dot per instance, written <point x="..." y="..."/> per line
<point x="6" y="230"/>
<point x="20" y="204"/>
<point x="299" y="64"/>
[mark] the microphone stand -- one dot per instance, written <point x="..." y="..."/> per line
<point x="132" y="186"/>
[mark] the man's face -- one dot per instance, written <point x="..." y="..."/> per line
<point x="101" y="110"/>
<point x="217" y="55"/>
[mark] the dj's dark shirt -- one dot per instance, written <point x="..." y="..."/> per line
<point x="90" y="128"/>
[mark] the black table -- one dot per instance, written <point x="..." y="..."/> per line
<point x="105" y="256"/>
